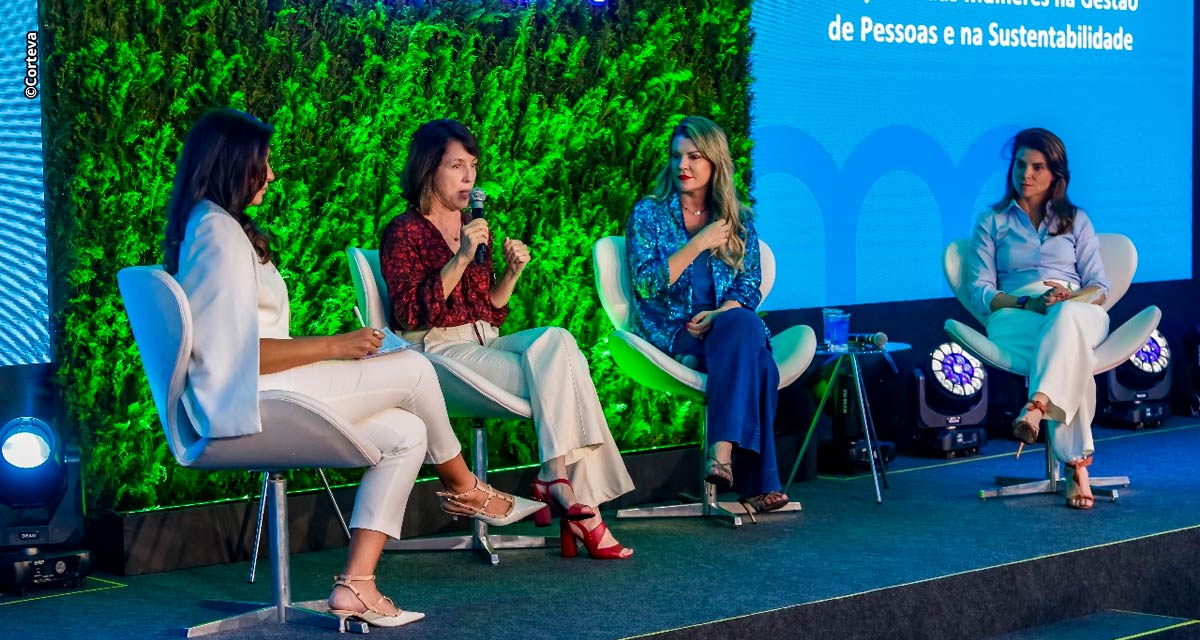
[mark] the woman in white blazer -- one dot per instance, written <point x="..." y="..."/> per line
<point x="242" y="345"/>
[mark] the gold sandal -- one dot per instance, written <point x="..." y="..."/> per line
<point x="1078" y="500"/>
<point x="372" y="615"/>
<point x="1026" y="431"/>
<point x="518" y="508"/>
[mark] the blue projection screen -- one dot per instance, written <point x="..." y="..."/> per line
<point x="24" y="294"/>
<point x="878" y="128"/>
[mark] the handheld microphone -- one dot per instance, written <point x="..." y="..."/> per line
<point x="877" y="339"/>
<point x="477" y="197"/>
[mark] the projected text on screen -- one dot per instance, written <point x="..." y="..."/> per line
<point x="879" y="130"/>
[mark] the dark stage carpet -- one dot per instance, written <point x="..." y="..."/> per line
<point x="923" y="564"/>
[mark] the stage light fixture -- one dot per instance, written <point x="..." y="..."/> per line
<point x="951" y="402"/>
<point x="1135" y="393"/>
<point x="26" y="448"/>
<point x="41" y="508"/>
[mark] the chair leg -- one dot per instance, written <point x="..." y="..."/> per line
<point x="262" y="505"/>
<point x="336" y="507"/>
<point x="280" y="610"/>
<point x="479" y="540"/>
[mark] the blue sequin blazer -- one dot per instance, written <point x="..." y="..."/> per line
<point x="655" y="231"/>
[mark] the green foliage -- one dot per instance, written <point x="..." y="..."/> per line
<point x="572" y="105"/>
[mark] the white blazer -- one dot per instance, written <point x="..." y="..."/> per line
<point x="218" y="271"/>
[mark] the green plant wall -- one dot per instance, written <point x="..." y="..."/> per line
<point x="572" y="105"/>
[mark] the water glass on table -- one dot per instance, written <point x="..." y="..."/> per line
<point x="837" y="329"/>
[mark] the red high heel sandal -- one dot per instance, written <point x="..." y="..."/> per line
<point x="541" y="493"/>
<point x="572" y="533"/>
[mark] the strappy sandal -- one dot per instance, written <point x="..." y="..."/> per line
<point x="372" y="615"/>
<point x="518" y="508"/>
<point x="1025" y="430"/>
<point x="719" y="474"/>
<point x="765" y="502"/>
<point x="541" y="493"/>
<point x="1075" y="497"/>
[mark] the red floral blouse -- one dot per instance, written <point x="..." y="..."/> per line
<point x="411" y="257"/>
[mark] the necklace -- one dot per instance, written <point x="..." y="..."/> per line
<point x="696" y="212"/>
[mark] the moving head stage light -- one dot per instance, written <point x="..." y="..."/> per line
<point x="951" y="402"/>
<point x="1135" y="393"/>
<point x="41" y="508"/>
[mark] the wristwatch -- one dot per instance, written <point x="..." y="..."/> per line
<point x="1022" y="301"/>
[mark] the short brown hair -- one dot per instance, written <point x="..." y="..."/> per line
<point x="425" y="153"/>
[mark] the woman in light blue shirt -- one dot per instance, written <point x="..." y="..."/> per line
<point x="1037" y="275"/>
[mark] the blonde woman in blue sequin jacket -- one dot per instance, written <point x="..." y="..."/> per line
<point x="694" y="259"/>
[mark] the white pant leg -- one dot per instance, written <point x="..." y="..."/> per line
<point x="1062" y="369"/>
<point x="384" y="489"/>
<point x="1060" y="347"/>
<point x="358" y="389"/>
<point x="546" y="367"/>
<point x="395" y="402"/>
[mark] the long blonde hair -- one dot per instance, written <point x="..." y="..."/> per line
<point x="722" y="198"/>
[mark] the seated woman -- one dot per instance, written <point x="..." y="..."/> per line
<point x="1036" y="273"/>
<point x="694" y="260"/>
<point x="242" y="345"/>
<point x="452" y="304"/>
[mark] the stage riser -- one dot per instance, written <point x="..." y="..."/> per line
<point x="1156" y="575"/>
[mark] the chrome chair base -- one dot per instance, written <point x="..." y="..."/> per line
<point x="1053" y="482"/>
<point x="723" y="511"/>
<point x="255" y="614"/>
<point x="689" y="510"/>
<point x="479" y="540"/>
<point x="281" y="610"/>
<point x="1010" y="486"/>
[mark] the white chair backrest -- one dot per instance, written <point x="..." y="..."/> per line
<point x="613" y="282"/>
<point x="468" y="393"/>
<point x="1116" y="252"/>
<point x="369" y="286"/>
<point x="162" y="328"/>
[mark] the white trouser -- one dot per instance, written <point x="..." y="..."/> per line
<point x="397" y="405"/>
<point x="1060" y="346"/>
<point x="545" y="367"/>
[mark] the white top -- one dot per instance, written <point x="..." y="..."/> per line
<point x="274" y="312"/>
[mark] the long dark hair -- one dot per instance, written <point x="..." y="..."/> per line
<point x="425" y="153"/>
<point x="1052" y="147"/>
<point x="224" y="159"/>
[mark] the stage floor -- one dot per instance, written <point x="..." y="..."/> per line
<point x="686" y="573"/>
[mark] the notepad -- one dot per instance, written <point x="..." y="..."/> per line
<point x="392" y="343"/>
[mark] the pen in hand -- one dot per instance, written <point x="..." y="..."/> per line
<point x="358" y="314"/>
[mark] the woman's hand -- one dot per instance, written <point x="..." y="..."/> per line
<point x="472" y="234"/>
<point x="516" y="256"/>
<point x="1056" y="294"/>
<point x="712" y="236"/>
<point x="701" y="323"/>
<point x="356" y="344"/>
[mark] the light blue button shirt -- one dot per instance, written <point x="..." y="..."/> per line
<point x="1007" y="253"/>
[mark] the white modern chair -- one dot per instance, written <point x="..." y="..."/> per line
<point x="1120" y="262"/>
<point x="468" y="395"/>
<point x="792" y="349"/>
<point x="299" y="432"/>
